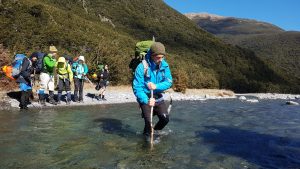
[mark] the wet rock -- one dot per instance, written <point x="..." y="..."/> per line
<point x="292" y="103"/>
<point x="252" y="101"/>
<point x="242" y="98"/>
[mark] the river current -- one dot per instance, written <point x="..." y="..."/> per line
<point x="212" y="134"/>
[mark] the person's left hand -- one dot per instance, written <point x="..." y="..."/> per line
<point x="151" y="86"/>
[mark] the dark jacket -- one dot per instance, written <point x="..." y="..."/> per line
<point x="103" y="75"/>
<point x="25" y="72"/>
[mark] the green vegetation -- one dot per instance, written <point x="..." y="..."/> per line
<point x="273" y="46"/>
<point x="281" y="50"/>
<point x="105" y="31"/>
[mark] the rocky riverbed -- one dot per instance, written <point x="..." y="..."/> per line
<point x="124" y="94"/>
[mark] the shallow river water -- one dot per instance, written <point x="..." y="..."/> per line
<point x="213" y="134"/>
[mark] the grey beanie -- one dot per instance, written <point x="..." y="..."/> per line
<point x="158" y="48"/>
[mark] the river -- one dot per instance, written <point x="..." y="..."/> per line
<point x="212" y="134"/>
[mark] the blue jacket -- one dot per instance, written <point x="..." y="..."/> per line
<point x="161" y="77"/>
<point x="79" y="70"/>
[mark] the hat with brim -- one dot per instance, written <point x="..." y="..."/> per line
<point x="52" y="49"/>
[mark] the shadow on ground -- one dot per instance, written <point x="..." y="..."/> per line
<point x="14" y="95"/>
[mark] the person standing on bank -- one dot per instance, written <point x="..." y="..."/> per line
<point x="47" y="76"/>
<point x="65" y="78"/>
<point x="156" y="76"/>
<point x="103" y="76"/>
<point x="25" y="81"/>
<point x="80" y="70"/>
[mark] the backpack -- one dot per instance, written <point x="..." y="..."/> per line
<point x="100" y="67"/>
<point x="141" y="49"/>
<point x="17" y="65"/>
<point x="38" y="66"/>
<point x="69" y="59"/>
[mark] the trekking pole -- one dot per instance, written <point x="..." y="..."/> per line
<point x="170" y="104"/>
<point x="86" y="78"/>
<point x="33" y="79"/>
<point x="151" y="117"/>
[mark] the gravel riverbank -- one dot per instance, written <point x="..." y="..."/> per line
<point x="124" y="94"/>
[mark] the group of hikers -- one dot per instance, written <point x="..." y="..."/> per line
<point x="50" y="68"/>
<point x="151" y="77"/>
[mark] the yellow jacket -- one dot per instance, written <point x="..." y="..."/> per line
<point x="64" y="70"/>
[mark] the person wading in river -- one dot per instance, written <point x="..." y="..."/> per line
<point x="153" y="74"/>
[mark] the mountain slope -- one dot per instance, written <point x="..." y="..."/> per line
<point x="281" y="50"/>
<point x="232" y="26"/>
<point x="107" y="30"/>
<point x="278" y="48"/>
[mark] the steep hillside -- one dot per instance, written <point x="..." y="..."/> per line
<point x="279" y="49"/>
<point x="107" y="30"/>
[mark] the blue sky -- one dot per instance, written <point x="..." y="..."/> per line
<point x="283" y="13"/>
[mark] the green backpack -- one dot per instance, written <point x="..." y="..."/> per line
<point x="141" y="49"/>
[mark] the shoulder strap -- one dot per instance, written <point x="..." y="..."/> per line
<point x="146" y="66"/>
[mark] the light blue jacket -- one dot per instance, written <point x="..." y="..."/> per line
<point x="79" y="70"/>
<point x="162" y="78"/>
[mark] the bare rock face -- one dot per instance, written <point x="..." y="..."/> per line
<point x="204" y="16"/>
<point x="104" y="19"/>
<point x="216" y="24"/>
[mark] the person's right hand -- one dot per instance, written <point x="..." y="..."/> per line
<point x="151" y="86"/>
<point x="151" y="102"/>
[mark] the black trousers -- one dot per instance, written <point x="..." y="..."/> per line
<point x="78" y="88"/>
<point x="64" y="84"/>
<point x="24" y="100"/>
<point x="160" y="109"/>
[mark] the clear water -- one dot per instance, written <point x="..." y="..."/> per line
<point x="215" y="134"/>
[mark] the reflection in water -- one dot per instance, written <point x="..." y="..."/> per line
<point x="114" y="126"/>
<point x="262" y="149"/>
<point x="214" y="134"/>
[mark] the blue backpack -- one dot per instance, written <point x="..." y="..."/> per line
<point x="17" y="65"/>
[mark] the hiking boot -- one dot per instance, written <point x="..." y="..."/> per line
<point x="23" y="108"/>
<point x="52" y="101"/>
<point x="43" y="103"/>
<point x="58" y="102"/>
<point x="51" y="98"/>
<point x="69" y="98"/>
